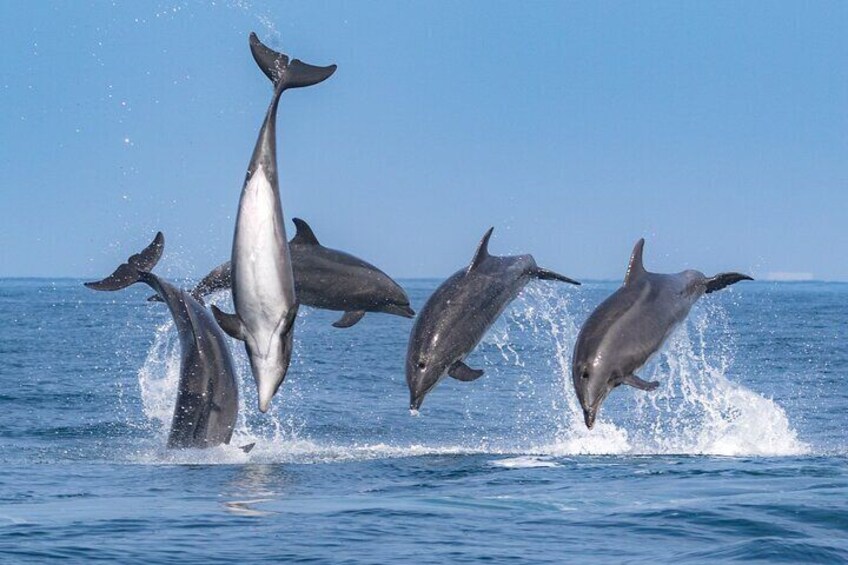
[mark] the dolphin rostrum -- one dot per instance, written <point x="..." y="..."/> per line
<point x="207" y="397"/>
<point x="627" y="328"/>
<point x="458" y="314"/>
<point x="263" y="284"/>
<point x="328" y="279"/>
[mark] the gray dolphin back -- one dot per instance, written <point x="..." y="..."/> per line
<point x="631" y="325"/>
<point x="460" y="312"/>
<point x="334" y="280"/>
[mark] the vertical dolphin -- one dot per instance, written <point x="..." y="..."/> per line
<point x="263" y="284"/>
<point x="627" y="328"/>
<point x="207" y="398"/>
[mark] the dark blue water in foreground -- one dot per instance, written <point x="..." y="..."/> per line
<point x="740" y="455"/>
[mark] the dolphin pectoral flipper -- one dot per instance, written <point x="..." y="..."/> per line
<point x="548" y="275"/>
<point x="349" y="319"/>
<point x="636" y="382"/>
<point x="230" y="323"/>
<point x="723" y="280"/>
<point x="462" y="372"/>
<point x="134" y="269"/>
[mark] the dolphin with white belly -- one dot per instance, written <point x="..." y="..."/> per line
<point x="263" y="284"/>
<point x="627" y="328"/>
<point x="458" y="314"/>
<point x="207" y="398"/>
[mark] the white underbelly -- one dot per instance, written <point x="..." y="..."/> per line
<point x="263" y="285"/>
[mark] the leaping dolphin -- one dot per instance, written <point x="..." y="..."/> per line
<point x="328" y="279"/>
<point x="458" y="314"/>
<point x="263" y="285"/>
<point x="627" y="328"/>
<point x="207" y="399"/>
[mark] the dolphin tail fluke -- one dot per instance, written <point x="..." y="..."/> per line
<point x="723" y="280"/>
<point x="134" y="269"/>
<point x="286" y="73"/>
<point x="548" y="275"/>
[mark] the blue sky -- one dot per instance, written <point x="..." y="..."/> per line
<point x="718" y="131"/>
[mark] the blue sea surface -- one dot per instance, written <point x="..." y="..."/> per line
<point x="740" y="455"/>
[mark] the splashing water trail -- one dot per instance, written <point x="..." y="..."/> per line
<point x="544" y="311"/>
<point x="696" y="410"/>
<point x="159" y="377"/>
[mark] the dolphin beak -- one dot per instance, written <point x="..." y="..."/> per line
<point x="415" y="404"/>
<point x="265" y="396"/>
<point x="589" y="417"/>
<point x="402" y="310"/>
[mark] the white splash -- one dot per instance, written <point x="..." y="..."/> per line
<point x="159" y="377"/>
<point x="697" y="409"/>
<point x="525" y="462"/>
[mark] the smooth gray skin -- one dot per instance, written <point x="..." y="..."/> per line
<point x="627" y="328"/>
<point x="207" y="398"/>
<point x="328" y="279"/>
<point x="458" y="314"/>
<point x="263" y="284"/>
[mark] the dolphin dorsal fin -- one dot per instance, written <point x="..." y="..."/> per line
<point x="304" y="234"/>
<point x="635" y="269"/>
<point x="482" y="251"/>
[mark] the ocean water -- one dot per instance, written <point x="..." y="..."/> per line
<point x="740" y="455"/>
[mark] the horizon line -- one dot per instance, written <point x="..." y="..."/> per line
<point x="421" y="278"/>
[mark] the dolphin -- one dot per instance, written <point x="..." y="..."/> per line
<point x="263" y="283"/>
<point x="627" y="328"/>
<point x="458" y="314"/>
<point x="328" y="279"/>
<point x="207" y="397"/>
